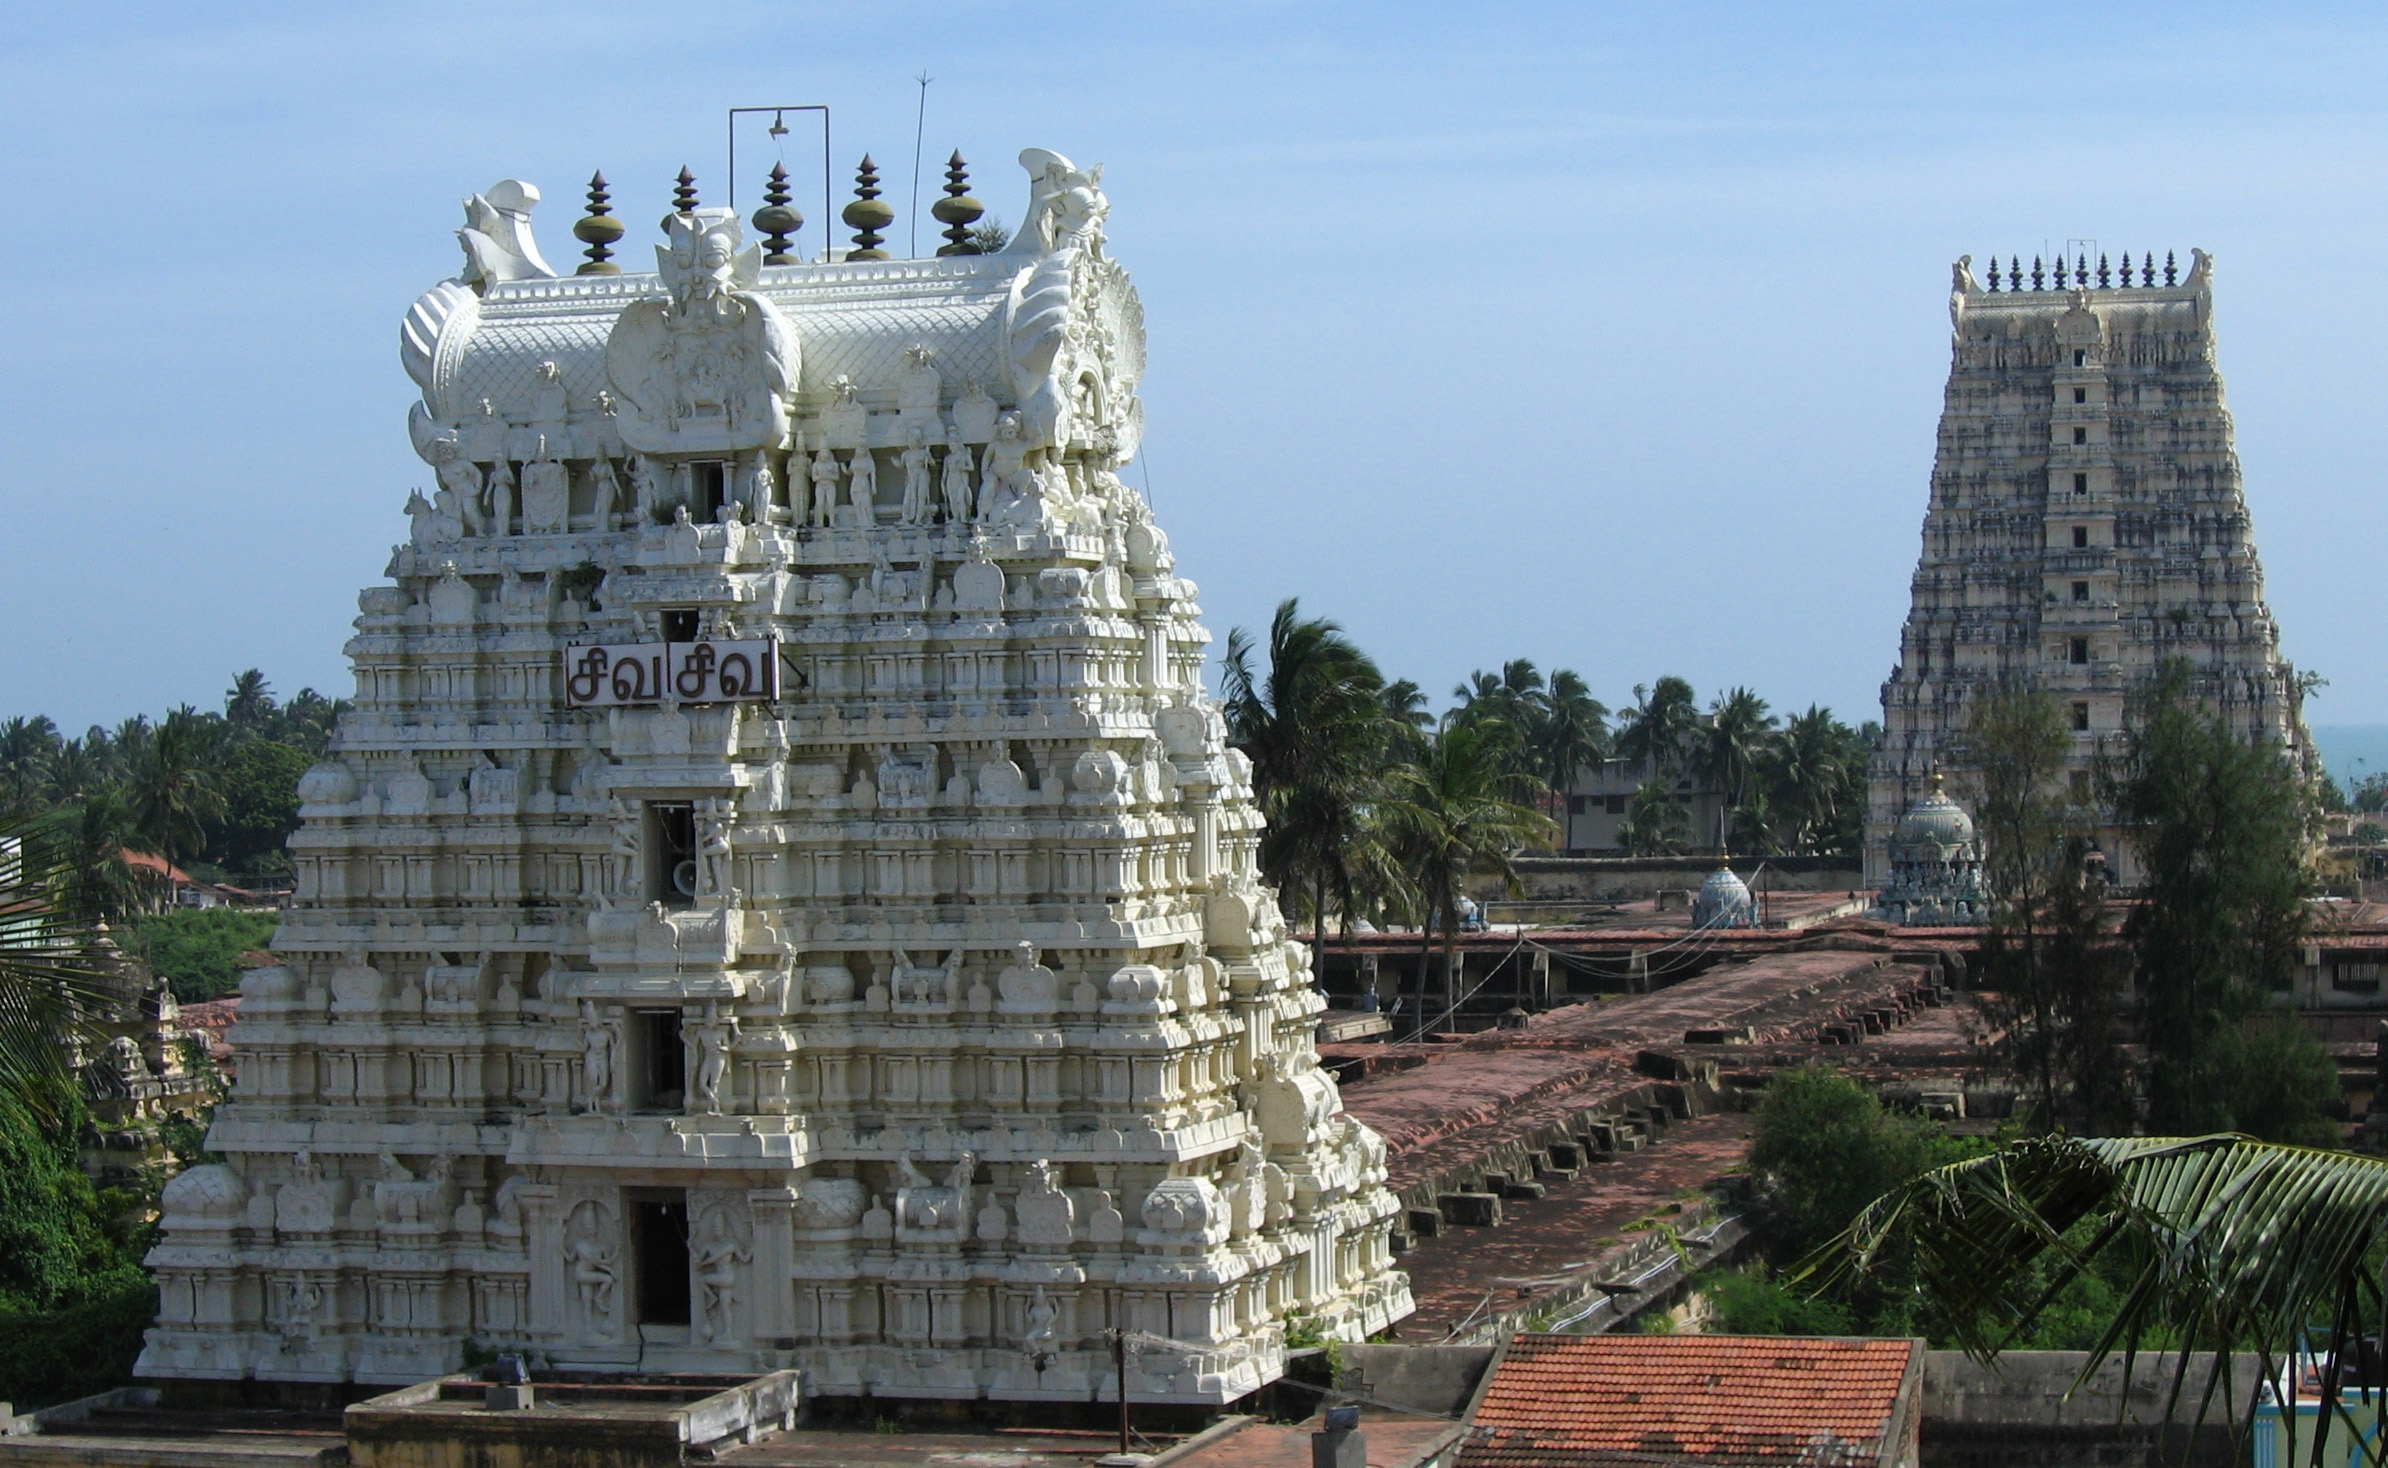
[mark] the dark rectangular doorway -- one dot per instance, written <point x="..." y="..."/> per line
<point x="659" y="1239"/>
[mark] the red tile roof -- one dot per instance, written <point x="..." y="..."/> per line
<point x="1560" y="1401"/>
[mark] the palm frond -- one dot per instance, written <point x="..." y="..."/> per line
<point x="2228" y="1244"/>
<point x="51" y="978"/>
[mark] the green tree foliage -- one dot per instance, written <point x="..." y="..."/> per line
<point x="54" y="1240"/>
<point x="1451" y="813"/>
<point x="49" y="973"/>
<point x="1753" y="1300"/>
<point x="2212" y="1243"/>
<point x="1573" y="731"/>
<point x="259" y="781"/>
<point x="2055" y="974"/>
<point x="1824" y="1149"/>
<point x="1732" y="748"/>
<point x="73" y="1299"/>
<point x="1656" y="822"/>
<point x="1314" y="726"/>
<point x="1658" y="731"/>
<point x="198" y="951"/>
<point x="214" y="793"/>
<point x="2219" y="825"/>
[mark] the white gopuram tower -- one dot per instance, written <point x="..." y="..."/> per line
<point x="2086" y="524"/>
<point x="781" y="898"/>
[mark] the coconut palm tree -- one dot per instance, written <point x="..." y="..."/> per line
<point x="2228" y="1244"/>
<point x="1656" y="824"/>
<point x="1809" y="774"/>
<point x="129" y="745"/>
<point x="1313" y="724"/>
<point x="1405" y="707"/>
<point x="1657" y="732"/>
<point x="250" y="700"/>
<point x="72" y="771"/>
<point x="1574" y="731"/>
<point x="93" y="836"/>
<point x="26" y="745"/>
<point x="1730" y="748"/>
<point x="1452" y="813"/>
<point x="173" y="792"/>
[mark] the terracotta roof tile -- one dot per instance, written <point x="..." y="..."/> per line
<point x="1747" y="1400"/>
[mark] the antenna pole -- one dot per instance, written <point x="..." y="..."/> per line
<point x="919" y="120"/>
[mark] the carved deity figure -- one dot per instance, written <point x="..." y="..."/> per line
<point x="717" y="1261"/>
<point x="298" y="1321"/>
<point x="433" y="524"/>
<point x="591" y="1266"/>
<point x="622" y="858"/>
<point x="1007" y="459"/>
<point x="956" y="480"/>
<point x="916" y="477"/>
<point x="714" y="819"/>
<point x="825" y="473"/>
<point x="928" y="1205"/>
<point x="760" y="488"/>
<point x="646" y="491"/>
<point x="1038" y="1339"/>
<point x="862" y="487"/>
<point x="501" y="497"/>
<point x="461" y="477"/>
<point x="1045" y="1213"/>
<point x="711" y="1038"/>
<point x="1066" y="203"/>
<point x="546" y="493"/>
<point x="607" y="489"/>
<point x="1028" y="985"/>
<point x="596" y="1057"/>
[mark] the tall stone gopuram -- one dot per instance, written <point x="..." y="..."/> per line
<point x="2086" y="524"/>
<point x="782" y="897"/>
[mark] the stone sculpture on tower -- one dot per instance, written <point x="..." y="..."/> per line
<point x="777" y="902"/>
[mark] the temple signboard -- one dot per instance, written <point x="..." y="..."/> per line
<point x="622" y="674"/>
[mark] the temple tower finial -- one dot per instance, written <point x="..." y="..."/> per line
<point x="778" y="219"/>
<point x="957" y="211"/>
<point x="866" y="216"/>
<point x="598" y="229"/>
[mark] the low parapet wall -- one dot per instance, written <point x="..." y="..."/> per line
<point x="1635" y="878"/>
<point x="2021" y="1411"/>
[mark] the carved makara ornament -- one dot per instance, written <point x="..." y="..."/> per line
<point x="708" y="367"/>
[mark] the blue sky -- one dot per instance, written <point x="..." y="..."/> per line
<point x="1610" y="336"/>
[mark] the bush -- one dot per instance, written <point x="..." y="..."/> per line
<point x="1752" y="1301"/>
<point x="1824" y="1149"/>
<point x="53" y="1356"/>
<point x="2280" y="1079"/>
<point x="55" y="1240"/>
<point x="198" y="952"/>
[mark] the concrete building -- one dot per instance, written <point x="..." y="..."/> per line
<point x="2086" y="523"/>
<point x="781" y="898"/>
<point x="1599" y="801"/>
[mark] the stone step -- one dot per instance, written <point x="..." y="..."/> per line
<point x="1471" y="1210"/>
<point x="201" y="1450"/>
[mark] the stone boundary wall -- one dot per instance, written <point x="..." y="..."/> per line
<point x="2015" y="1412"/>
<point x="1637" y="878"/>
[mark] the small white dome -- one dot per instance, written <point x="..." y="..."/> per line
<point x="329" y="783"/>
<point x="209" y="1191"/>
<point x="1934" y="820"/>
<point x="1723" y="901"/>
